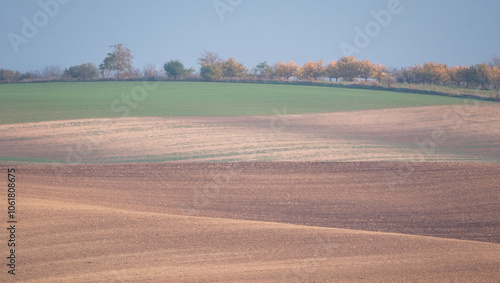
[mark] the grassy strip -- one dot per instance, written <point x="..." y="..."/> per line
<point x="478" y="94"/>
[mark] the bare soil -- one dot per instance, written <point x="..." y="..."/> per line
<point x="437" y="133"/>
<point x="413" y="197"/>
<point x="291" y="222"/>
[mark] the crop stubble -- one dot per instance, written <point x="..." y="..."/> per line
<point x="434" y="133"/>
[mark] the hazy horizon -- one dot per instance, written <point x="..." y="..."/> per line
<point x="406" y="32"/>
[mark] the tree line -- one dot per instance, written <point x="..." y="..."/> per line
<point x="118" y="65"/>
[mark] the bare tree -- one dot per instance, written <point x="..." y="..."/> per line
<point x="209" y="59"/>
<point x="494" y="61"/>
<point x="52" y="72"/>
<point x="6" y="76"/>
<point x="150" y="72"/>
<point x="408" y="75"/>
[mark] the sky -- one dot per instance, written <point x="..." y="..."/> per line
<point x="396" y="33"/>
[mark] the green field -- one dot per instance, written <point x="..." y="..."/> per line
<point x="77" y="100"/>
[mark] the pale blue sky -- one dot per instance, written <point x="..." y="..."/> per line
<point x="448" y="31"/>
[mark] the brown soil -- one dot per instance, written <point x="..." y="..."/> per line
<point x="403" y="220"/>
<point x="292" y="222"/>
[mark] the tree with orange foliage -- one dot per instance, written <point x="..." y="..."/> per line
<point x="483" y="75"/>
<point x="366" y="69"/>
<point x="284" y="70"/>
<point x="233" y="69"/>
<point x="311" y="70"/>
<point x="431" y="73"/>
<point x="332" y="71"/>
<point x="380" y="72"/>
<point x="457" y="74"/>
<point x="437" y="73"/>
<point x="495" y="76"/>
<point x="348" y="68"/>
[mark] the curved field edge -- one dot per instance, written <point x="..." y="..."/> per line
<point x="215" y="249"/>
<point x="448" y="200"/>
<point x="260" y="221"/>
<point x="414" y="134"/>
<point x="82" y="100"/>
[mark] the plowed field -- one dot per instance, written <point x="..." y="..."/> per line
<point x="260" y="222"/>
<point x="383" y="195"/>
